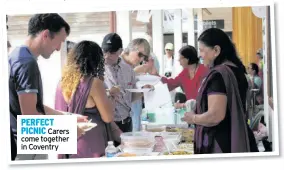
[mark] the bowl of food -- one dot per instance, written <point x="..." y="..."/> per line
<point x="125" y="154"/>
<point x="178" y="152"/>
<point x="188" y="135"/>
<point x="186" y="146"/>
<point x="176" y="128"/>
<point x="138" y="139"/>
<point x="171" y="139"/>
<point x="172" y="129"/>
<point x="171" y="136"/>
<point x="138" y="143"/>
<point x="138" y="151"/>
<point x="155" y="128"/>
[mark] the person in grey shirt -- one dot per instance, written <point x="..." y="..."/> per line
<point x="119" y="72"/>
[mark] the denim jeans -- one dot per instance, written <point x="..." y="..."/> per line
<point x="136" y="117"/>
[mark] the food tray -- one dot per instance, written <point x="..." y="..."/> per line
<point x="178" y="152"/>
<point x="86" y="126"/>
<point x="155" y="128"/>
<point x="176" y="128"/>
<point x="168" y="140"/>
<point x="137" y="150"/>
<point x="138" y="139"/>
<point x="125" y="154"/>
<point x="170" y="135"/>
<point x="188" y="135"/>
<point x="186" y="146"/>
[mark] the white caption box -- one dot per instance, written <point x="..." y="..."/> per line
<point x="46" y="134"/>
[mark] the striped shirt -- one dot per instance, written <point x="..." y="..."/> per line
<point x="122" y="75"/>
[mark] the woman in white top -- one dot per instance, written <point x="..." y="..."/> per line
<point x="169" y="50"/>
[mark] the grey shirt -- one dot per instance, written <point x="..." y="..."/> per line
<point x="122" y="75"/>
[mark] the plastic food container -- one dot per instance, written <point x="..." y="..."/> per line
<point x="171" y="135"/>
<point x="155" y="128"/>
<point x="179" y="152"/>
<point x="176" y="128"/>
<point x="138" y="139"/>
<point x="125" y="154"/>
<point x="138" y="151"/>
<point x="139" y="143"/>
<point x="188" y="135"/>
<point x="186" y="146"/>
<point x="171" y="139"/>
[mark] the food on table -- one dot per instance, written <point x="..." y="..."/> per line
<point x="167" y="141"/>
<point x="185" y="146"/>
<point x="141" y="140"/>
<point x="188" y="135"/>
<point x="138" y="144"/>
<point x="126" y="155"/>
<point x="155" y="128"/>
<point x="181" y="152"/>
<point x="172" y="129"/>
<point x="118" y="87"/>
<point x="171" y="138"/>
<point x="138" y="151"/>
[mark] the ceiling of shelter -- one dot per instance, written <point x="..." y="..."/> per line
<point x="98" y="22"/>
<point x="88" y="23"/>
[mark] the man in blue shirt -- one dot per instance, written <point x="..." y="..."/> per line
<point x="46" y="32"/>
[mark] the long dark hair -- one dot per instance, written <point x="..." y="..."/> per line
<point x="255" y="68"/>
<point x="189" y="52"/>
<point x="214" y="36"/>
<point x="85" y="59"/>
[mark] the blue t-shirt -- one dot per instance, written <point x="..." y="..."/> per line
<point x="24" y="78"/>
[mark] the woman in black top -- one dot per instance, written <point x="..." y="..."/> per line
<point x="220" y="129"/>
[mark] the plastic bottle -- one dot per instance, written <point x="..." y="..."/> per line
<point x="110" y="150"/>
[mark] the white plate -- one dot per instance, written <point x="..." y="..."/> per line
<point x="138" y="90"/>
<point x="73" y="114"/>
<point x="140" y="84"/>
<point x="86" y="126"/>
<point x="148" y="78"/>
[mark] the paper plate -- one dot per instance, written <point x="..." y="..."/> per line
<point x="86" y="126"/>
<point x="148" y="78"/>
<point x="138" y="90"/>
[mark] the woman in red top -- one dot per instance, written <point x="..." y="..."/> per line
<point x="191" y="76"/>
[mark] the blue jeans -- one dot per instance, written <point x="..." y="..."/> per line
<point x="136" y="117"/>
